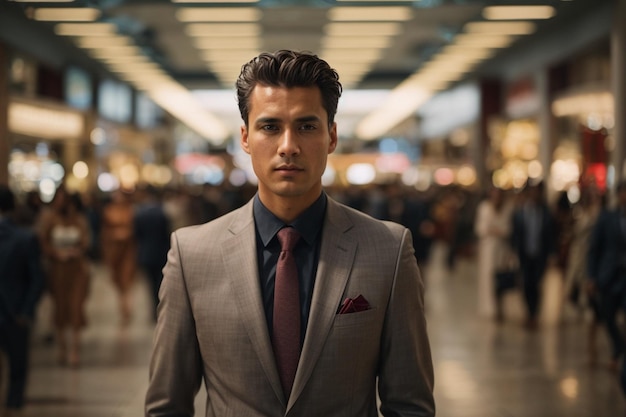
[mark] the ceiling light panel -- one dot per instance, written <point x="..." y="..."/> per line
<point x="43" y="1"/>
<point x="217" y="1"/>
<point x="356" y="42"/>
<point x="358" y="28"/>
<point x="88" y="42"/>
<point x="66" y="14"/>
<point x="85" y="29"/>
<point x="223" y="29"/>
<point x="460" y="50"/>
<point x="343" y="55"/>
<point x="369" y="14"/>
<point x="114" y="52"/>
<point x="227" y="43"/>
<point x="219" y="14"/>
<point x="232" y="55"/>
<point x="483" y="41"/>
<point x="377" y="1"/>
<point x="501" y="28"/>
<point x="518" y="12"/>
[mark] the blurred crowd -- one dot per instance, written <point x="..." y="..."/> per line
<point x="514" y="236"/>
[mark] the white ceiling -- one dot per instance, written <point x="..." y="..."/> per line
<point x="299" y="24"/>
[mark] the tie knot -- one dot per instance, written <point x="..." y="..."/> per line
<point x="288" y="237"/>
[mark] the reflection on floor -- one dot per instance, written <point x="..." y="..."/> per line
<point x="482" y="369"/>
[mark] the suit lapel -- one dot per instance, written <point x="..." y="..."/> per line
<point x="336" y="258"/>
<point x="240" y="257"/>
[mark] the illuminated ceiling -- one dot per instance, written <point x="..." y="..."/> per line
<point x="412" y="48"/>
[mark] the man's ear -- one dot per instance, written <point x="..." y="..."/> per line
<point x="332" y="145"/>
<point x="244" y="139"/>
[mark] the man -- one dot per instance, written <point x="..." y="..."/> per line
<point x="21" y="284"/>
<point x="606" y="267"/>
<point x="361" y="315"/>
<point x="533" y="240"/>
<point x="152" y="230"/>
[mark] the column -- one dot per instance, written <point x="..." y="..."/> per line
<point x="544" y="121"/>
<point x="4" y="104"/>
<point x="618" y="85"/>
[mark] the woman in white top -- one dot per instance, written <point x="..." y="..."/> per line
<point x="492" y="227"/>
<point x="66" y="240"/>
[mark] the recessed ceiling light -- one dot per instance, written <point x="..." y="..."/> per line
<point x="85" y="29"/>
<point x="359" y="28"/>
<point x="66" y="14"/>
<point x="223" y="29"/>
<point x="365" y="13"/>
<point x="219" y="14"/>
<point x="500" y="28"/>
<point x="518" y="12"/>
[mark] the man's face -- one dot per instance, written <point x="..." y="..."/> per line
<point x="288" y="140"/>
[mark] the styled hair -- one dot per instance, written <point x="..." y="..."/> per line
<point x="285" y="68"/>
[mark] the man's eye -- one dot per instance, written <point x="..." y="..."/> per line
<point x="269" y="128"/>
<point x="307" y="127"/>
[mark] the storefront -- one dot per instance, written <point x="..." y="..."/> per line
<point x="448" y="137"/>
<point x="584" y="113"/>
<point x="46" y="140"/>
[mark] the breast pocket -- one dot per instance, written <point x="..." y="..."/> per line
<point x="353" y="343"/>
<point x="358" y="319"/>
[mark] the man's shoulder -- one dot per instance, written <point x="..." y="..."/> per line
<point x="363" y="221"/>
<point x="217" y="225"/>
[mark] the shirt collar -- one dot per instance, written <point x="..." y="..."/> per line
<point x="308" y="224"/>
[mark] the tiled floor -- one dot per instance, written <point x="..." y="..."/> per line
<point x="482" y="369"/>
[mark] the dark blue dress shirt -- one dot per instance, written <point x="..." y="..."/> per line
<point x="306" y="252"/>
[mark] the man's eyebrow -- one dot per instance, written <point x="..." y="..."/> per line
<point x="302" y="119"/>
<point x="311" y="118"/>
<point x="267" y="120"/>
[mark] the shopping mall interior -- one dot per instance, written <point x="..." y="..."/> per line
<point x="442" y="100"/>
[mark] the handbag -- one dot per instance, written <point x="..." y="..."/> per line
<point x="505" y="281"/>
<point x="507" y="271"/>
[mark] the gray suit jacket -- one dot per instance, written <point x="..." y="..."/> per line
<point x="211" y="325"/>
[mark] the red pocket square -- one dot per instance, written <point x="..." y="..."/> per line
<point x="354" y="305"/>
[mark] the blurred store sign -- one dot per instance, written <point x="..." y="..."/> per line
<point x="449" y="110"/>
<point x="522" y="99"/>
<point x="45" y="121"/>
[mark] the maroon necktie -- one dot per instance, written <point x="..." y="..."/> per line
<point x="286" y="333"/>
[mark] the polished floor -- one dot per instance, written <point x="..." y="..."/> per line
<point x="483" y="369"/>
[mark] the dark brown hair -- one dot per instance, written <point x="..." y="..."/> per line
<point x="288" y="69"/>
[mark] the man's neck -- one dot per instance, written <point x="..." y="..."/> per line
<point x="287" y="209"/>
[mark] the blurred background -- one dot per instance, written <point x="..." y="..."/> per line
<point x="436" y="92"/>
<point x="443" y="100"/>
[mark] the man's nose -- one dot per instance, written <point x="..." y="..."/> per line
<point x="288" y="143"/>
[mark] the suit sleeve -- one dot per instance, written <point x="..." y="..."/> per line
<point x="176" y="366"/>
<point x="406" y="377"/>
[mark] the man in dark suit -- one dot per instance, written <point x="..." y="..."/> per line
<point x="21" y="284"/>
<point x="355" y="330"/>
<point x="152" y="233"/>
<point x="606" y="265"/>
<point x="533" y="239"/>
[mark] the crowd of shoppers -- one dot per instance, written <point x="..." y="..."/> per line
<point x="585" y="242"/>
<point x="73" y="232"/>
